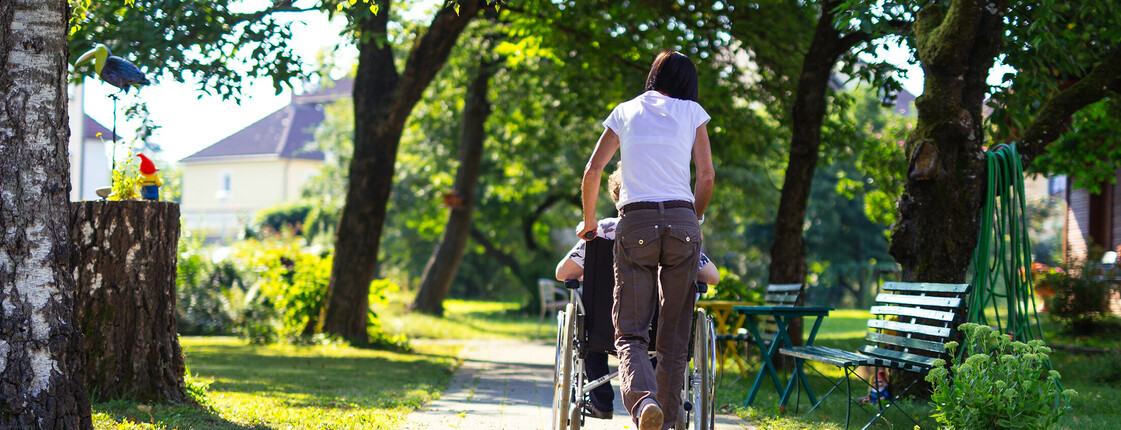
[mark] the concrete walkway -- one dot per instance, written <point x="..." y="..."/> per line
<point x="508" y="385"/>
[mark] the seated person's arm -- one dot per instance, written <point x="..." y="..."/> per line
<point x="709" y="274"/>
<point x="568" y="269"/>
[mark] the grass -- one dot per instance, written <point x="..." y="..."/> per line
<point x="339" y="387"/>
<point x="323" y="386"/>
<point x="1096" y="378"/>
<point x="462" y="320"/>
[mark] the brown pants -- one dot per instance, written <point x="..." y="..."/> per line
<point x="656" y="257"/>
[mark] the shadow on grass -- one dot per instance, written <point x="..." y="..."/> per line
<point x="318" y="379"/>
<point x="178" y="416"/>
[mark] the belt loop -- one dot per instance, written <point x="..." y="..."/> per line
<point x="661" y="208"/>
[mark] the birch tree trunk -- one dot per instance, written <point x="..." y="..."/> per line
<point x="41" y="381"/>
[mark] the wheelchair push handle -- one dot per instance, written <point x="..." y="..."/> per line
<point x="572" y="284"/>
<point x="590" y="234"/>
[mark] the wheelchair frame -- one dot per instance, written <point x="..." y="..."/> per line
<point x="698" y="409"/>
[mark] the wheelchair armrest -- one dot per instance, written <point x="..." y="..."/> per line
<point x="572" y="284"/>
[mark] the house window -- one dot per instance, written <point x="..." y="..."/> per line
<point x="224" y="181"/>
<point x="1057" y="184"/>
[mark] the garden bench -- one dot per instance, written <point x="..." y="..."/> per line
<point x="913" y="322"/>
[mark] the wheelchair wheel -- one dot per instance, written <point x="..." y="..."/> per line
<point x="562" y="372"/>
<point x="699" y="387"/>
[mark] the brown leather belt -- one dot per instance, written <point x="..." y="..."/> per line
<point x="672" y="204"/>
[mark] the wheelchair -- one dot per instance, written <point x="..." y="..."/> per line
<point x="585" y="325"/>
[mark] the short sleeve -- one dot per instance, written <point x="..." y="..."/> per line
<point x="613" y="121"/>
<point x="699" y="115"/>
<point x="577" y="253"/>
<point x="704" y="261"/>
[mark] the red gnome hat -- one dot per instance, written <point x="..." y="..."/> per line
<point x="146" y="166"/>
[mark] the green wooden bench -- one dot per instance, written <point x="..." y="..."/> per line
<point x="913" y="321"/>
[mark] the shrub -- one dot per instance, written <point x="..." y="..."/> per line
<point x="1079" y="297"/>
<point x="996" y="383"/>
<point x="204" y="291"/>
<point x="276" y="219"/>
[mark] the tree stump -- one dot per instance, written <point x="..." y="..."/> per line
<point x="124" y="264"/>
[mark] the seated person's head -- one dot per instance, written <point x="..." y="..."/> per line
<point x="615" y="183"/>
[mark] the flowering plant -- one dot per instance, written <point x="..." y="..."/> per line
<point x="996" y="383"/>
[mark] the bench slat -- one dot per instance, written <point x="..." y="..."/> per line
<point x="944" y="302"/>
<point x="832" y="356"/>
<point x="906" y="342"/>
<point x="781" y="299"/>
<point x="776" y="288"/>
<point x="914" y="312"/>
<point x="906" y="357"/>
<point x="909" y="327"/>
<point x="927" y="287"/>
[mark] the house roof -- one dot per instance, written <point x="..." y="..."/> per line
<point x="284" y="133"/>
<point x="94" y="130"/>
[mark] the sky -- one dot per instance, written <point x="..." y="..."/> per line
<point x="190" y="123"/>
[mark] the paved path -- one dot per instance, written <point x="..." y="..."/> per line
<point x="508" y="385"/>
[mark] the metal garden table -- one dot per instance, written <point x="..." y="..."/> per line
<point x="782" y="316"/>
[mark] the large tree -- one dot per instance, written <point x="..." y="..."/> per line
<point x="957" y="43"/>
<point x="42" y="384"/>
<point x="384" y="96"/>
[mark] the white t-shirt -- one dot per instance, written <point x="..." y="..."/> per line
<point x="656" y="135"/>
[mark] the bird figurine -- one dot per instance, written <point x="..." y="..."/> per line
<point x="149" y="182"/>
<point x="114" y="70"/>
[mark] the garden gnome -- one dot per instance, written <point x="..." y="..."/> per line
<point x="878" y="391"/>
<point x="149" y="182"/>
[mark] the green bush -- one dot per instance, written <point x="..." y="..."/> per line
<point x="205" y="292"/>
<point x="1080" y="299"/>
<point x="996" y="384"/>
<point x="273" y="220"/>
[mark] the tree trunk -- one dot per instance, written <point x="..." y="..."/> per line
<point x="383" y="100"/>
<point x="936" y="231"/>
<point x="788" y="250"/>
<point x="441" y="268"/>
<point x="125" y="268"/>
<point x="42" y="384"/>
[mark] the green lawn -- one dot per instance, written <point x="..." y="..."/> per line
<point x="325" y="386"/>
<point x="339" y="387"/>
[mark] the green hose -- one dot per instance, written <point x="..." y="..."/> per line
<point x="1003" y="253"/>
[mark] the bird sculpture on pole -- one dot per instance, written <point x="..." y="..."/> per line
<point x="114" y="70"/>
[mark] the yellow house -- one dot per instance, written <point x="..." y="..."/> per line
<point x="260" y="166"/>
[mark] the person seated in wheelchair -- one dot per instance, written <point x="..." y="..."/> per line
<point x="572" y="267"/>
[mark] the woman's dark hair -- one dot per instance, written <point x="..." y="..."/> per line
<point x="674" y="75"/>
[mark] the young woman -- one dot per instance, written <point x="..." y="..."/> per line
<point x="658" y="237"/>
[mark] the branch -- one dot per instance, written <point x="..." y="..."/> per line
<point x="556" y="25"/>
<point x="430" y="51"/>
<point x="1049" y="123"/>
<point x="945" y="39"/>
<point x="495" y="253"/>
<point x="527" y="227"/>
